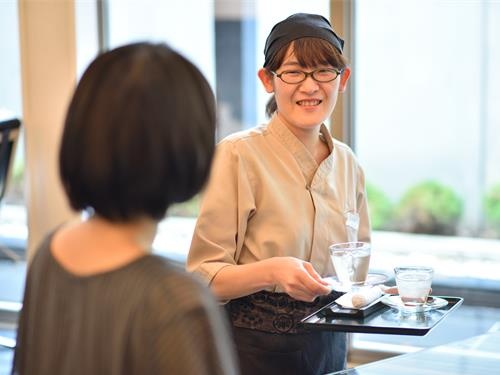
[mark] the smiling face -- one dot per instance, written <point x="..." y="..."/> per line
<point x="306" y="105"/>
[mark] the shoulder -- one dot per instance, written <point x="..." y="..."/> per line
<point x="42" y="259"/>
<point x="344" y="152"/>
<point x="172" y="299"/>
<point x="241" y="148"/>
<point x="346" y="160"/>
<point x="342" y="148"/>
<point x="244" y="137"/>
<point x="172" y="288"/>
<point x="163" y="274"/>
<point x="178" y="325"/>
<point x="246" y="144"/>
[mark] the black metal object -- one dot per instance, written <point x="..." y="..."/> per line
<point x="9" y="134"/>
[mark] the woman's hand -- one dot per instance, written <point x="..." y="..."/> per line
<point x="297" y="278"/>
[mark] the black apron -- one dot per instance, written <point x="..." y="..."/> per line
<point x="269" y="341"/>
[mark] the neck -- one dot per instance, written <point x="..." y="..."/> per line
<point x="138" y="233"/>
<point x="99" y="245"/>
<point x="310" y="138"/>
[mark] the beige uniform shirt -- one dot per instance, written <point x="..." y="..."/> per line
<point x="268" y="197"/>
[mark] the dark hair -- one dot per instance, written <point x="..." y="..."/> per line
<point x="309" y="52"/>
<point x="139" y="133"/>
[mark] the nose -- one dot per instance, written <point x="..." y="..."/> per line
<point x="309" y="84"/>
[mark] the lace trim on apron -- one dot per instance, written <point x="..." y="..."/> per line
<point x="274" y="312"/>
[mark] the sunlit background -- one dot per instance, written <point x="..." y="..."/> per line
<point x="423" y="122"/>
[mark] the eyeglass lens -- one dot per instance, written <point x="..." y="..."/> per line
<point x="297" y="76"/>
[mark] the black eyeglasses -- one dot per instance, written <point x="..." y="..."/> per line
<point x="298" y="76"/>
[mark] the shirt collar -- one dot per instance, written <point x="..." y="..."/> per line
<point x="304" y="158"/>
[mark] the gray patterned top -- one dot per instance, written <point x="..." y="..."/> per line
<point x="147" y="317"/>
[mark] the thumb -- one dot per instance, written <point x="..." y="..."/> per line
<point x="315" y="275"/>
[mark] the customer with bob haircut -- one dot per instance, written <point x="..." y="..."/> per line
<point x="138" y="137"/>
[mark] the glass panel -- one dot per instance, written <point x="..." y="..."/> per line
<point x="12" y="209"/>
<point x="13" y="231"/>
<point x="10" y="94"/>
<point x="185" y="25"/>
<point x="426" y="132"/>
<point x="10" y="74"/>
<point x="86" y="25"/>
<point x="225" y="39"/>
<point x="13" y="215"/>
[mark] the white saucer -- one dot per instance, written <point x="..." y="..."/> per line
<point x="376" y="279"/>
<point x="371" y="279"/>
<point x="432" y="304"/>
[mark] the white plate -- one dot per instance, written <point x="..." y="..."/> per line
<point x="371" y="279"/>
<point x="433" y="303"/>
<point x="376" y="279"/>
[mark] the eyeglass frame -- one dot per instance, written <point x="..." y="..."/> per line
<point x="308" y="74"/>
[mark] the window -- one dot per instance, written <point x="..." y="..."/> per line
<point x="13" y="213"/>
<point x="424" y="86"/>
<point x="225" y="39"/>
<point x="426" y="131"/>
<point x="11" y="107"/>
<point x="12" y="209"/>
<point x="13" y="230"/>
<point x="423" y="111"/>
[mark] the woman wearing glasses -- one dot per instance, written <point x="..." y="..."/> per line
<point x="278" y="196"/>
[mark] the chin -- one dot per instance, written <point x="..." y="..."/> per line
<point x="313" y="116"/>
<point x="312" y="121"/>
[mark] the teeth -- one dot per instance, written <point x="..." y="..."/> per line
<point x="308" y="102"/>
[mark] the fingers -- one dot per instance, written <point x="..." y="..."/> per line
<point x="299" y="279"/>
<point x="316" y="276"/>
<point x="312" y="272"/>
<point x="313" y="281"/>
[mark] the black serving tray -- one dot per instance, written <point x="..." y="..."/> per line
<point x="381" y="319"/>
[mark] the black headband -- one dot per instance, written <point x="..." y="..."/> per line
<point x="298" y="26"/>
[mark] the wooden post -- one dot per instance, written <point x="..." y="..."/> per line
<point x="342" y="117"/>
<point x="48" y="65"/>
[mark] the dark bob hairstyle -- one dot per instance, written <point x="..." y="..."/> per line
<point x="139" y="133"/>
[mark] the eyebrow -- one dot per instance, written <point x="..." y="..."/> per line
<point x="295" y="64"/>
<point x="291" y="63"/>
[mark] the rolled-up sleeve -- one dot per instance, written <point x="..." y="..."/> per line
<point x="227" y="204"/>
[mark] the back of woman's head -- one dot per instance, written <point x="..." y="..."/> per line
<point x="139" y="134"/>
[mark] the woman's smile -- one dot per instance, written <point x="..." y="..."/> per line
<point x="309" y="102"/>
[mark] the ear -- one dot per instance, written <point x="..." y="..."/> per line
<point x="267" y="80"/>
<point x="344" y="77"/>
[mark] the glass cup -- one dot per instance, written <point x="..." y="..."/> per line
<point x="414" y="284"/>
<point x="351" y="261"/>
